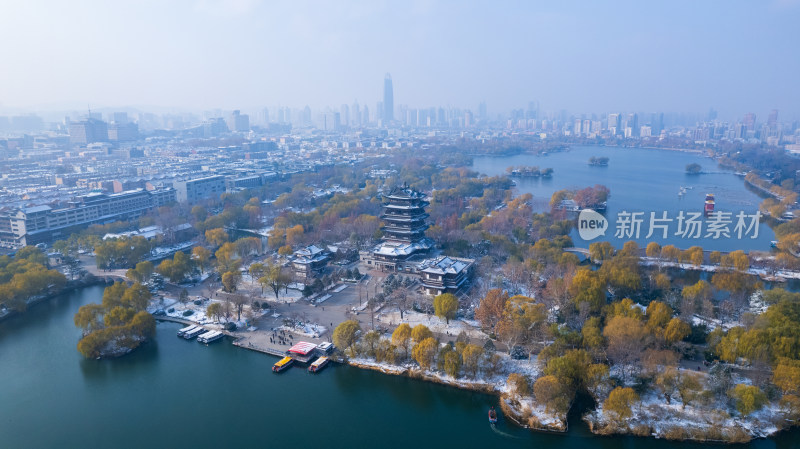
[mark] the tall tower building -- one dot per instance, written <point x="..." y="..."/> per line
<point x="772" y="121"/>
<point x="749" y="121"/>
<point x="356" y="111"/>
<point x="388" y="99"/>
<point x="345" y="115"/>
<point x="403" y="229"/>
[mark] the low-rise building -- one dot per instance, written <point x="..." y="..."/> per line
<point x="44" y="224"/>
<point x="309" y="261"/>
<point x="445" y="274"/>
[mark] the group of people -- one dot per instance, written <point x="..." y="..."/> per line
<point x="282" y="337"/>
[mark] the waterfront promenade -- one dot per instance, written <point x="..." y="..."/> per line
<point x="259" y="341"/>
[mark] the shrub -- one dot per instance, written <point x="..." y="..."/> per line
<point x="230" y="327"/>
<point x="188" y="312"/>
<point x="520" y="383"/>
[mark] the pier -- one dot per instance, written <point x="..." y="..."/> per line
<point x="259" y="341"/>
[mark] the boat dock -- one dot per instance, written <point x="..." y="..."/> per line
<point x="210" y="337"/>
<point x="259" y="341"/>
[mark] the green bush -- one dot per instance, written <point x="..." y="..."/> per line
<point x="188" y="312"/>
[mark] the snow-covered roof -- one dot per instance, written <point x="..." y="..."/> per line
<point x="309" y="251"/>
<point x="446" y="265"/>
<point x="400" y="249"/>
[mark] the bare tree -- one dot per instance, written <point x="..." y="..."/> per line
<point x="239" y="301"/>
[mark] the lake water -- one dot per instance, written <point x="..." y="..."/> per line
<point x="642" y="180"/>
<point x="176" y="393"/>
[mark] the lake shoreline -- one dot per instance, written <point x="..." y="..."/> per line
<point x="515" y="413"/>
<point x="70" y="287"/>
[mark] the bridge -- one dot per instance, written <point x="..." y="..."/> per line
<point x="582" y="251"/>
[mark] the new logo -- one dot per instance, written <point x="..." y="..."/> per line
<point x="591" y="224"/>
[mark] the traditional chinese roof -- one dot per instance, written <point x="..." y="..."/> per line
<point x="309" y="251"/>
<point x="401" y="249"/>
<point x="446" y="265"/>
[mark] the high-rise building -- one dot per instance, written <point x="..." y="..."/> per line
<point x="123" y="132"/>
<point x="88" y="131"/>
<point x="749" y="121"/>
<point x="119" y="117"/>
<point x="411" y="117"/>
<point x="632" y="122"/>
<point x="772" y="120"/>
<point x="214" y="127"/>
<point x="614" y="124"/>
<point x="345" y="115"/>
<point x="388" y="99"/>
<point x="239" y="122"/>
<point x="356" y="111"/>
<point x="482" y="111"/>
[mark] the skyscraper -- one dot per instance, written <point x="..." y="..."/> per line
<point x="388" y="99"/>
<point x="356" y="111"/>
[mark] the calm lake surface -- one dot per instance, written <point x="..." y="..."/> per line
<point x="642" y="180"/>
<point x="176" y="393"/>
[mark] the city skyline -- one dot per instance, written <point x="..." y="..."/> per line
<point x="573" y="56"/>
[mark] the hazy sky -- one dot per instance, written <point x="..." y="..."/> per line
<point x="590" y="56"/>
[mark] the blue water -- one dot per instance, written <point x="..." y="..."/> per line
<point x="642" y="180"/>
<point x="176" y="393"/>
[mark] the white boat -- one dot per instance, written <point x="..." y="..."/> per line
<point x="318" y="364"/>
<point x="210" y="336"/>
<point x="182" y="332"/>
<point x="194" y="332"/>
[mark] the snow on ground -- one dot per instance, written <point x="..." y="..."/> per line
<point x="527" y="405"/>
<point x="322" y="299"/>
<point x="663" y="418"/>
<point x="311" y="330"/>
<point x="524" y="406"/>
<point x="434" y="323"/>
<point x="198" y="315"/>
<point x="783" y="274"/>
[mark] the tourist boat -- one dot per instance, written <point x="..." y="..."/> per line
<point x="492" y="416"/>
<point x="318" y="364"/>
<point x="282" y="364"/>
<point x="709" y="204"/>
<point x="210" y="337"/>
<point x="194" y="332"/>
<point x="183" y="331"/>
